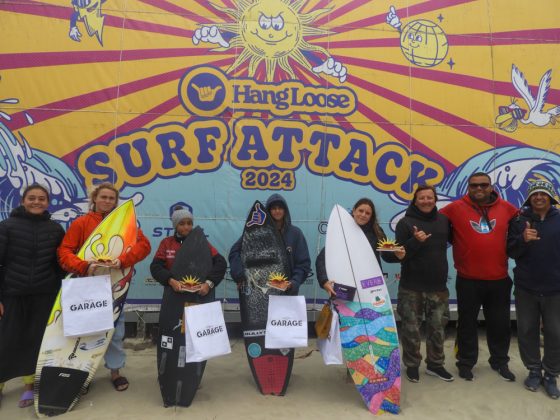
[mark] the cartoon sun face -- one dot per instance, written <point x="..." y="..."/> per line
<point x="272" y="32"/>
<point x="424" y="43"/>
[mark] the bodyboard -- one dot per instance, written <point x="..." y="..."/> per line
<point x="179" y="381"/>
<point x="66" y="365"/>
<point x="264" y="258"/>
<point x="368" y="330"/>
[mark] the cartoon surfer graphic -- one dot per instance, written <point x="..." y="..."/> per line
<point x="271" y="33"/>
<point x="88" y="12"/>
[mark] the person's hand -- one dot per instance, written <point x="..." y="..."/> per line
<point x="329" y="287"/>
<point x="116" y="264"/>
<point x="400" y="252"/>
<point x="420" y="235"/>
<point x="1" y="310"/>
<point x="204" y="289"/>
<point x="91" y="269"/>
<point x="530" y="234"/>
<point x="177" y="286"/>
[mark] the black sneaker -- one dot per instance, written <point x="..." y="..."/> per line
<point x="533" y="381"/>
<point x="505" y="373"/>
<point x="412" y="374"/>
<point x="465" y="372"/>
<point x="549" y="383"/>
<point x="440" y="372"/>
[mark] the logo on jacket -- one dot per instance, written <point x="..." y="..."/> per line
<point x="482" y="225"/>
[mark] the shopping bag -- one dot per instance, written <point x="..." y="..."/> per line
<point x="286" y="326"/>
<point x="330" y="347"/>
<point x="87" y="305"/>
<point x="205" y="332"/>
<point x="323" y="321"/>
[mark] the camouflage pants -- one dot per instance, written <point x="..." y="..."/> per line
<point x="414" y="306"/>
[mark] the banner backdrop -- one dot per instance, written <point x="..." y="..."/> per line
<point x="217" y="104"/>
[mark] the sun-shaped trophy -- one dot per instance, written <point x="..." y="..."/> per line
<point x="387" y="245"/>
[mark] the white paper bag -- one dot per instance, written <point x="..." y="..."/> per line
<point x="286" y="326"/>
<point x="330" y="347"/>
<point x="205" y="332"/>
<point x="87" y="305"/>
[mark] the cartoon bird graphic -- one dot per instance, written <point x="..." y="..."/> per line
<point x="536" y="115"/>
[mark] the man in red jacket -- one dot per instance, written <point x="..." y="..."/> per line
<point x="479" y="222"/>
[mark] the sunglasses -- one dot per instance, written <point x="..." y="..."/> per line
<point x="474" y="185"/>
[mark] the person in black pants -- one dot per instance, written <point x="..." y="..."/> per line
<point x="479" y="222"/>
<point x="534" y="243"/>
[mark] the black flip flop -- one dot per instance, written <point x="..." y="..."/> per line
<point x="120" y="381"/>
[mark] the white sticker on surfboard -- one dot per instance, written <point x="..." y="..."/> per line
<point x="166" y="342"/>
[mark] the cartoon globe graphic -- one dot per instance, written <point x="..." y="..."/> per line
<point x="424" y="43"/>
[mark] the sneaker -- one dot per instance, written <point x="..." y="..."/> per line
<point x="549" y="383"/>
<point x="412" y="374"/>
<point x="505" y="373"/>
<point x="440" y="372"/>
<point x="533" y="381"/>
<point x="465" y="372"/>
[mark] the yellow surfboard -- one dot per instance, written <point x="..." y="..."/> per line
<point x="66" y="365"/>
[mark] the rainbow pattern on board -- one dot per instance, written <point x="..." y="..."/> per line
<point x="370" y="347"/>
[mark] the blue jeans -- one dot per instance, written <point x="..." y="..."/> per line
<point x="115" y="356"/>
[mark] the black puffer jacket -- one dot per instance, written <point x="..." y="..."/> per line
<point x="28" y="254"/>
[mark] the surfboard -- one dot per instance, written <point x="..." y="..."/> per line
<point x="179" y="381"/>
<point x="264" y="257"/>
<point x="66" y="366"/>
<point x="368" y="332"/>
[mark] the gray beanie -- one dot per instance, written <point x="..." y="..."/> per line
<point x="179" y="215"/>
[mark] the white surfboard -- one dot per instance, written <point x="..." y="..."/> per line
<point x="350" y="259"/>
<point x="368" y="330"/>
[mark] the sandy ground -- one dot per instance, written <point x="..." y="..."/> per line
<point x="316" y="391"/>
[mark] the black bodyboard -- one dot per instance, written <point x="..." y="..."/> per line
<point x="179" y="381"/>
<point x="263" y="254"/>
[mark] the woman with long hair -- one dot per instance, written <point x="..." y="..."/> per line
<point x="365" y="216"/>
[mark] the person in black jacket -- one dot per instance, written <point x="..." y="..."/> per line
<point x="29" y="282"/>
<point x="534" y="243"/>
<point x="365" y="216"/>
<point x="423" y="285"/>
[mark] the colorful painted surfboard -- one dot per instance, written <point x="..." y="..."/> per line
<point x="179" y="381"/>
<point x="264" y="257"/>
<point x="66" y="366"/>
<point x="368" y="332"/>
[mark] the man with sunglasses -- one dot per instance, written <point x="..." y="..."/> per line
<point x="479" y="222"/>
